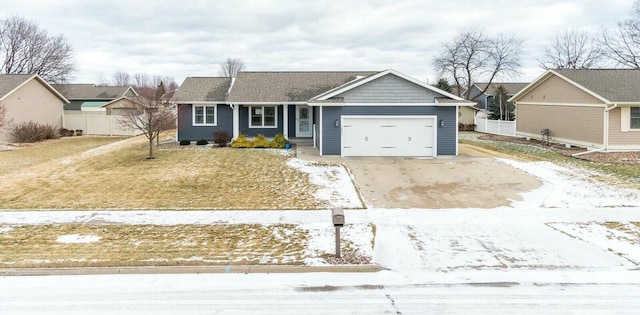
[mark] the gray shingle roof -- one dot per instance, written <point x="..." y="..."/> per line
<point x="202" y="89"/>
<point x="511" y="87"/>
<point x="90" y="91"/>
<point x="288" y="86"/>
<point x="8" y="82"/>
<point x="615" y="85"/>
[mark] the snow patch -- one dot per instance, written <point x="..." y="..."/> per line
<point x="334" y="182"/>
<point x="571" y="188"/>
<point x="77" y="238"/>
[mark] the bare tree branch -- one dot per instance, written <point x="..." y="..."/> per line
<point x="121" y="78"/>
<point x="572" y="50"/>
<point x="25" y="48"/>
<point x="473" y="56"/>
<point x="149" y="116"/>
<point x="623" y="44"/>
<point x="231" y="67"/>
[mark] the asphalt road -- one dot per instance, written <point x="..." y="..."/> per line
<point x="302" y="294"/>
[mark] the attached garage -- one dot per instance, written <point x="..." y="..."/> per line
<point x="389" y="136"/>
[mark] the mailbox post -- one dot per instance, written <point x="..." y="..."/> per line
<point x="337" y="217"/>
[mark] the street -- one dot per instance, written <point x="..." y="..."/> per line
<point x="349" y="293"/>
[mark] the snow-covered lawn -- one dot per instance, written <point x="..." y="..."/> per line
<point x="544" y="231"/>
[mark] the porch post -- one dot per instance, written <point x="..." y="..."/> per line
<point x="236" y="120"/>
<point x="285" y="120"/>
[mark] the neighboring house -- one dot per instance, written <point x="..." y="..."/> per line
<point x="27" y="97"/>
<point x="382" y="113"/>
<point x="594" y="108"/>
<point x="89" y="98"/>
<point x="118" y="106"/>
<point x="484" y="99"/>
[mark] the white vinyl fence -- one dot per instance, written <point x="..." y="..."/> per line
<point x="497" y="127"/>
<point x="106" y="125"/>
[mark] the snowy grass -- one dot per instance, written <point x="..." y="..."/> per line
<point x="100" y="245"/>
<point x="620" y="238"/>
<point x="27" y="155"/>
<point x="537" y="153"/>
<point x="179" y="178"/>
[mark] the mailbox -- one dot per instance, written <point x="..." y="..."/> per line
<point x="337" y="216"/>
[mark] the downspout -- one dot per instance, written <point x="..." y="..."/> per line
<point x="605" y="133"/>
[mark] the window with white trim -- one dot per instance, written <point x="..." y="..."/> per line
<point x="263" y="117"/>
<point x="634" y="123"/>
<point x="204" y="115"/>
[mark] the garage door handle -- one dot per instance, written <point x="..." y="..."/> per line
<point x="409" y="139"/>
<point x="366" y="139"/>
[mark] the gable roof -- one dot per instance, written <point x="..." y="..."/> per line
<point x="11" y="82"/>
<point x="92" y="92"/>
<point x="608" y="85"/>
<point x="203" y="89"/>
<point x="282" y="86"/>
<point x="511" y="87"/>
<point x="614" y="85"/>
<point x="359" y="82"/>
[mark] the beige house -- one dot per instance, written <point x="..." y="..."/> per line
<point x="593" y="108"/>
<point x="27" y="97"/>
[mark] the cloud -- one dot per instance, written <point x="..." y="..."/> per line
<point x="190" y="38"/>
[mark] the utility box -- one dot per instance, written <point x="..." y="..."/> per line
<point x="337" y="216"/>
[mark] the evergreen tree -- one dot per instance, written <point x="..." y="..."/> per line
<point x="444" y="85"/>
<point x="499" y="108"/>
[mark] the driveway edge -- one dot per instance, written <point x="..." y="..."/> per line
<point x="186" y="270"/>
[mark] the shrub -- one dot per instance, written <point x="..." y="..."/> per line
<point x="279" y="142"/>
<point x="33" y="132"/>
<point x="221" y="138"/>
<point x="260" y="141"/>
<point x="241" y="142"/>
<point x="202" y="142"/>
<point x="185" y="142"/>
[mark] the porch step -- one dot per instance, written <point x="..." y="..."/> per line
<point x="302" y="141"/>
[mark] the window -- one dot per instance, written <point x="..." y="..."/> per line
<point x="635" y="118"/>
<point x="204" y="115"/>
<point x="263" y="117"/>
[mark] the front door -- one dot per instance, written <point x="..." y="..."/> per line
<point x="304" y="121"/>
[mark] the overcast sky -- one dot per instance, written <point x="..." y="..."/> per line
<point x="190" y="38"/>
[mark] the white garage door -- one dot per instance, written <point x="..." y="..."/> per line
<point x="388" y="136"/>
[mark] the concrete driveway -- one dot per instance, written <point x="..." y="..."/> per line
<point x="475" y="179"/>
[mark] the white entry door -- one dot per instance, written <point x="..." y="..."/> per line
<point x="304" y="121"/>
<point x="388" y="136"/>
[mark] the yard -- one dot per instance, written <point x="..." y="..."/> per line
<point x="63" y="174"/>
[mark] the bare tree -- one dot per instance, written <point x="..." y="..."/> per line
<point x="473" y="56"/>
<point x="26" y="48"/>
<point x="231" y="67"/>
<point x="622" y="45"/>
<point x="572" y="50"/>
<point x="121" y="78"/>
<point x="149" y="116"/>
<point x="142" y="80"/>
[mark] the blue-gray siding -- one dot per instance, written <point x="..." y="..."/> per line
<point x="252" y="132"/>
<point x="389" y="89"/>
<point x="331" y="143"/>
<point x="292" y="121"/>
<point x="187" y="131"/>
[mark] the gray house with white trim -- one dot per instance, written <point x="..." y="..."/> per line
<point x="358" y="113"/>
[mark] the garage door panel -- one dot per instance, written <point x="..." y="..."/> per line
<point x="388" y="136"/>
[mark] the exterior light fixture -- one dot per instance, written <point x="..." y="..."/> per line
<point x="337" y="123"/>
<point x="441" y="122"/>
